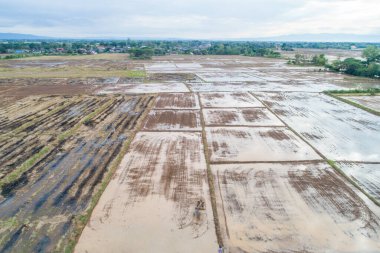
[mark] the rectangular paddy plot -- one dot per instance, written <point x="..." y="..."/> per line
<point x="228" y="77"/>
<point x="229" y="99"/>
<point x="338" y="130"/>
<point x="179" y="120"/>
<point x="220" y="87"/>
<point x="177" y="101"/>
<point x="153" y="196"/>
<point x="372" y="102"/>
<point x="250" y="144"/>
<point x="39" y="203"/>
<point x="305" y="86"/>
<point x="240" y="117"/>
<point x="144" y="88"/>
<point x="366" y="175"/>
<point x="292" y="207"/>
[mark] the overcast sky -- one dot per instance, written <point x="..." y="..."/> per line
<point x="205" y="19"/>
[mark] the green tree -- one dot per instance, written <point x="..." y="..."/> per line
<point x="373" y="70"/>
<point x="319" y="60"/>
<point x="141" y="53"/>
<point x="371" y="53"/>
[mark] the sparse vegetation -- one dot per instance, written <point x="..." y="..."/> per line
<point x="371" y="91"/>
<point x="303" y="60"/>
<point x="17" y="173"/>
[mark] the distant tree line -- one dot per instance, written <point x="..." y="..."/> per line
<point x="289" y="46"/>
<point x="370" y="67"/>
<point x="138" y="49"/>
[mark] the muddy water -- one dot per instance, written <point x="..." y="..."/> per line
<point x="241" y="117"/>
<point x="338" y="130"/>
<point x="292" y="208"/>
<point x="242" y="144"/>
<point x="229" y="77"/>
<point x="148" y="206"/>
<point x="364" y="174"/>
<point x="372" y="102"/>
<point x="144" y="88"/>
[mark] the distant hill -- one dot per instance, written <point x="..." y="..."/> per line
<point x="20" y="36"/>
<point x="323" y="37"/>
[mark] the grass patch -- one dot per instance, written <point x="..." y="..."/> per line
<point x="31" y="123"/>
<point x="9" y="223"/>
<point x="6" y="225"/>
<point x="80" y="57"/>
<point x="135" y="74"/>
<point x="370" y="91"/>
<point x="17" y="173"/>
<point x="65" y="135"/>
<point x="69" y="72"/>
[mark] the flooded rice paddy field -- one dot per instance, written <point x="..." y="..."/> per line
<point x="292" y="207"/>
<point x="372" y="102"/>
<point x="150" y="202"/>
<point x="144" y="88"/>
<point x="251" y="139"/>
<point x="366" y="175"/>
<point x="234" y="99"/>
<point x="338" y="130"/>
<point x="247" y="144"/>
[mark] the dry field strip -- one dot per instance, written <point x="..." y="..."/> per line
<point x="119" y="162"/>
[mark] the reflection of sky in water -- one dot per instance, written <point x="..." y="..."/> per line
<point x="345" y="132"/>
<point x="367" y="176"/>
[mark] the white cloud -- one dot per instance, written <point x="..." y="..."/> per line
<point x="189" y="18"/>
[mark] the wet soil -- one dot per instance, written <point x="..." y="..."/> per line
<point x="243" y="144"/>
<point x="297" y="207"/>
<point x="177" y="101"/>
<point x="173" y="120"/>
<point x="153" y="195"/>
<point x="61" y="186"/>
<point x="240" y="117"/>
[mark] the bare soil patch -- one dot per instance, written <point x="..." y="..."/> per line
<point x="166" y="120"/>
<point x="177" y="101"/>
<point x="240" y="117"/>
